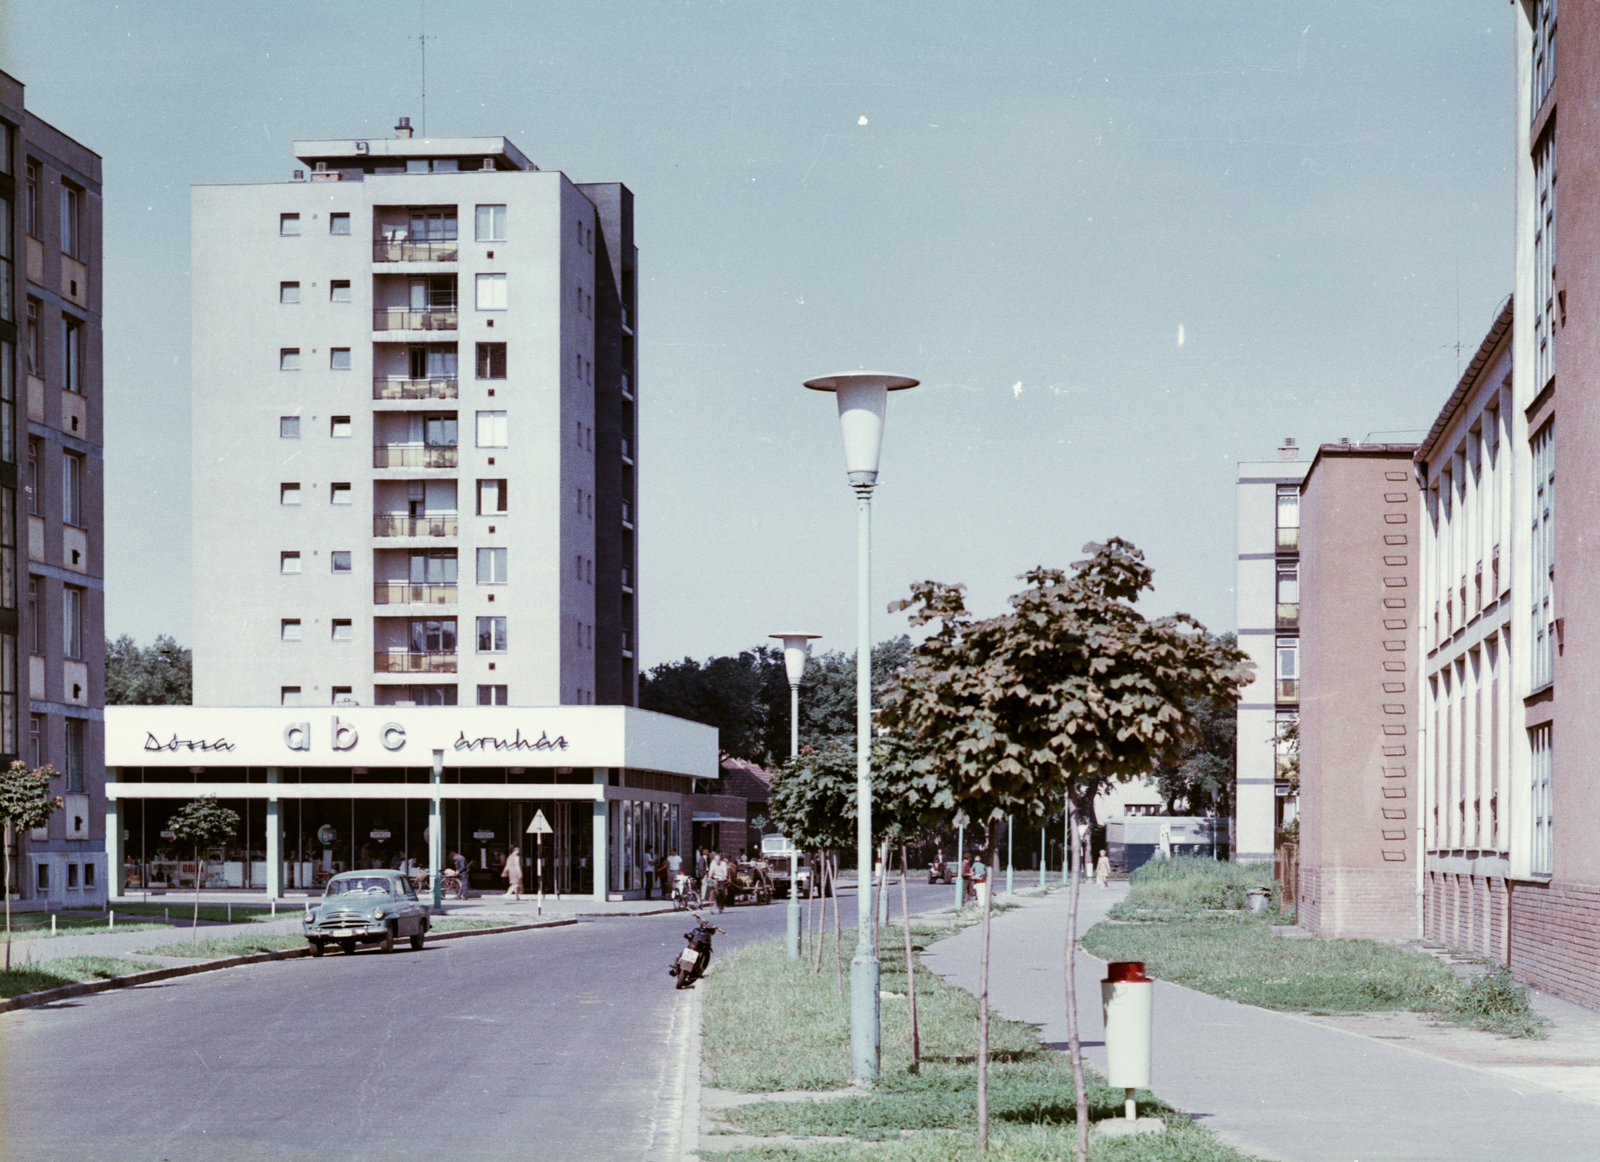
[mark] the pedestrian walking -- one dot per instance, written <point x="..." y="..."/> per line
<point x="1102" y="871"/>
<point x="649" y="871"/>
<point x="512" y="872"/>
<point x="717" y="876"/>
<point x="966" y="876"/>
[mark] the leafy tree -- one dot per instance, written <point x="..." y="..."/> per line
<point x="202" y="822"/>
<point x="1201" y="781"/>
<point x="25" y="803"/>
<point x="1072" y="688"/>
<point x="161" y="674"/>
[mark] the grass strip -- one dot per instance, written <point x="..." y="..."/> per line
<point x="217" y="913"/>
<point x="223" y="947"/>
<point x="49" y="974"/>
<point x="36" y="925"/>
<point x="774" y="1025"/>
<point x="465" y="925"/>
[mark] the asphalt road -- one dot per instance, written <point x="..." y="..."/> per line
<point x="550" y="1044"/>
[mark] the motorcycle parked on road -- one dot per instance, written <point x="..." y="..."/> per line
<point x="693" y="961"/>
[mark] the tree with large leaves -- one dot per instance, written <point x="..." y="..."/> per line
<point x="202" y="822"/>
<point x="25" y="803"/>
<point x="1072" y="688"/>
<point x="161" y="674"/>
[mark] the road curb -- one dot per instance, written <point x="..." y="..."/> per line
<point x="84" y="988"/>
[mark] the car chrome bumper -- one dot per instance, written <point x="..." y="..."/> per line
<point x="346" y="933"/>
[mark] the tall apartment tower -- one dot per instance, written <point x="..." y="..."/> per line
<point x="415" y="439"/>
<point x="52" y="617"/>
<point x="1267" y="594"/>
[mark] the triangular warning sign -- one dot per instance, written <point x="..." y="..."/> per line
<point x="540" y="825"/>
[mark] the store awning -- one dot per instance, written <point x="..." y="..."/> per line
<point x="713" y="817"/>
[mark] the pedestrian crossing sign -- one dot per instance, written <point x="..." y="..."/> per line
<point x="540" y="825"/>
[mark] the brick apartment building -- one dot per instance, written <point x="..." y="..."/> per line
<point x="1358" y="587"/>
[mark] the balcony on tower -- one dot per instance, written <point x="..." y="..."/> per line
<point x="414" y="371"/>
<point x="414" y="508"/>
<point x="416" y="645"/>
<point x="414" y="440"/>
<point x="413" y="303"/>
<point x="414" y="234"/>
<point x="414" y="577"/>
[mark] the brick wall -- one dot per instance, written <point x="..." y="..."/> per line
<point x="1555" y="939"/>
<point x="1468" y="913"/>
<point x="1358" y="902"/>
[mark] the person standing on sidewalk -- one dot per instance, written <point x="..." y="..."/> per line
<point x="513" y="872"/>
<point x="649" y="871"/>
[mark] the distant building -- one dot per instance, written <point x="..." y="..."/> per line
<point x="52" y="613"/>
<point x="1267" y="592"/>
<point x="1358" y="709"/>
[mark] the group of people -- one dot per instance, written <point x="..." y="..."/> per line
<point x="714" y="870"/>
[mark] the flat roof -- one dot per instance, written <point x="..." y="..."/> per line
<point x="355" y="150"/>
<point x="407" y="736"/>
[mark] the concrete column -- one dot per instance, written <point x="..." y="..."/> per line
<point x="436" y="830"/>
<point x="274" y="841"/>
<point x="114" y="848"/>
<point x="600" y="856"/>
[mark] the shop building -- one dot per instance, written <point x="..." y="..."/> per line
<point x="1358" y="754"/>
<point x="414" y="434"/>
<point x="52" y="622"/>
<point x="1267" y="596"/>
<point x="332" y="789"/>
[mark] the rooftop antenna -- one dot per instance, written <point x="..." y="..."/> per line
<point x="422" y="41"/>
<point x="1458" y="344"/>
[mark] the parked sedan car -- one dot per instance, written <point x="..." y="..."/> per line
<point x="366" y="907"/>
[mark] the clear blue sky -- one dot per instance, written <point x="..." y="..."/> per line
<point x="1020" y="204"/>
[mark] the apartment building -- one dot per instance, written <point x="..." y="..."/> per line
<point x="1477" y="761"/>
<point x="52" y="618"/>
<point x="1358" y="708"/>
<point x="1267" y="593"/>
<point x="415" y="446"/>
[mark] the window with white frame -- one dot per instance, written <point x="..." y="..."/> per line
<point x="1543" y="543"/>
<point x="491" y="292"/>
<point x="74" y="739"/>
<point x="491" y="635"/>
<point x="1544" y="52"/>
<point x="491" y="566"/>
<point x="492" y="498"/>
<point x="71" y="220"/>
<point x="1544" y="260"/>
<point x="72" y="621"/>
<point x="72" y="473"/>
<point x="1288" y="669"/>
<point x="491" y="223"/>
<point x="491" y="429"/>
<point x="72" y="364"/>
<point x="1541" y="813"/>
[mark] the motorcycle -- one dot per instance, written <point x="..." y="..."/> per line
<point x="693" y="961"/>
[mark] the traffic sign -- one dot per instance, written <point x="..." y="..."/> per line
<point x="540" y="825"/>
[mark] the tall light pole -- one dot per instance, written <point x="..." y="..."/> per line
<point x="795" y="648"/>
<point x="863" y="399"/>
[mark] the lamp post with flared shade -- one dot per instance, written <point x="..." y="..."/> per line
<point x="796" y="648"/>
<point x="863" y="398"/>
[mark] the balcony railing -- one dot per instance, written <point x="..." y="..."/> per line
<point x="627" y="514"/>
<point x="413" y="456"/>
<point x="399" y="524"/>
<point x="402" y="387"/>
<point x="413" y="319"/>
<point x="405" y="593"/>
<point x="414" y="662"/>
<point x="415" y="251"/>
<point x="1288" y="690"/>
<point x="1289" y="540"/>
<point x="1288" y="615"/>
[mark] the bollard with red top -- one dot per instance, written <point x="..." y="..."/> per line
<point x="1125" y="997"/>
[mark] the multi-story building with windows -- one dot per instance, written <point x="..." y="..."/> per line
<point x="415" y="446"/>
<point x="414" y="432"/>
<point x="1267" y="593"/>
<point x="52" y="637"/>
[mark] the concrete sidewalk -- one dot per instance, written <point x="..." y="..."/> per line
<point x="1286" y="1087"/>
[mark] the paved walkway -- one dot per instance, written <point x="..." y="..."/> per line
<point x="1285" y="1087"/>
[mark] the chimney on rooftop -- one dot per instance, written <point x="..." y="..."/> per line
<point x="404" y="128"/>
<point x="1287" y="450"/>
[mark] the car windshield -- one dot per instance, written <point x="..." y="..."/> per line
<point x="360" y="885"/>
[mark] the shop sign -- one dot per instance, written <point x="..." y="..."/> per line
<point x="151" y="742"/>
<point x="169" y="835"/>
<point x="483" y="835"/>
<point x="516" y="742"/>
<point x="378" y="835"/>
<point x="326" y="834"/>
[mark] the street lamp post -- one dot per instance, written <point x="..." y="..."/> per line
<point x="1011" y="824"/>
<point x="795" y="648"/>
<point x="863" y="398"/>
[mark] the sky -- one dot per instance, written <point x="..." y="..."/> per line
<point x="1123" y="247"/>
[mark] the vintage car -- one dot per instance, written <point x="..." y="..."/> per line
<point x="366" y="907"/>
<point x="775" y="851"/>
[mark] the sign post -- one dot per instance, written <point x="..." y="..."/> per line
<point x="539" y="828"/>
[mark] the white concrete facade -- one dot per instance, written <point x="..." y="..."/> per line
<point x="1268" y="628"/>
<point x="352" y="405"/>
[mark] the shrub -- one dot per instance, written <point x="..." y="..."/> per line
<point x="1189" y="883"/>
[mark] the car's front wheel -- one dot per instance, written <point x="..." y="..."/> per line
<point x="316" y="948"/>
<point x="387" y="943"/>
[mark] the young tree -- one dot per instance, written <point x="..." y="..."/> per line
<point x="202" y="822"/>
<point x="25" y="803"/>
<point x="157" y="675"/>
<point x="1072" y="688"/>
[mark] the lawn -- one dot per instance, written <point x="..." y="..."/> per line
<point x="222" y="947"/>
<point x="49" y="974"/>
<point x="33" y="925"/>
<point x="774" y="1025"/>
<point x="1186" y="919"/>
<point x="176" y="909"/>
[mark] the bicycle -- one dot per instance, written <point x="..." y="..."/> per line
<point x="685" y="898"/>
